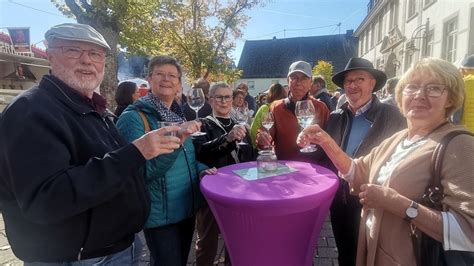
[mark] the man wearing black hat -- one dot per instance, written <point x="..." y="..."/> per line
<point x="359" y="125"/>
<point x="70" y="187"/>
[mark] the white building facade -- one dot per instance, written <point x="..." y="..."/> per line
<point x="397" y="33"/>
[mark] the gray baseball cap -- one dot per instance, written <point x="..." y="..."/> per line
<point x="302" y="67"/>
<point x="76" y="32"/>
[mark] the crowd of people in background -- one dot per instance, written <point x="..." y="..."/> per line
<point x="78" y="182"/>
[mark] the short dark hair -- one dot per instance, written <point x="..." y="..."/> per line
<point x="164" y="60"/>
<point x="319" y="79"/>
<point x="125" y="90"/>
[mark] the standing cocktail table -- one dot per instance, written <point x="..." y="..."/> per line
<point x="271" y="221"/>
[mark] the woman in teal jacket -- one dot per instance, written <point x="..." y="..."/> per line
<point x="172" y="179"/>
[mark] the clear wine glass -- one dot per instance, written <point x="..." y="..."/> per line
<point x="196" y="101"/>
<point x="306" y="115"/>
<point x="267" y="123"/>
<point x="242" y="116"/>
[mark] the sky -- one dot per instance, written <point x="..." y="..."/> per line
<point x="278" y="18"/>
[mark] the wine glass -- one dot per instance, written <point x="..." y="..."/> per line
<point x="196" y="101"/>
<point x="306" y="115"/>
<point x="242" y="116"/>
<point x="267" y="123"/>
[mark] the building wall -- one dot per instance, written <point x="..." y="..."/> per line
<point x="410" y="18"/>
<point x="260" y="85"/>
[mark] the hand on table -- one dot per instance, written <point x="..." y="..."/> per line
<point x="209" y="171"/>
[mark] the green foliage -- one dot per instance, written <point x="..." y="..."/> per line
<point x="199" y="33"/>
<point x="325" y="69"/>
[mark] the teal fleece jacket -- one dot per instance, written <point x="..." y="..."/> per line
<point x="172" y="179"/>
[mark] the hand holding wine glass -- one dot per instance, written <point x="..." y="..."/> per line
<point x="306" y="115"/>
<point x="241" y="114"/>
<point x="196" y="101"/>
<point x="267" y="122"/>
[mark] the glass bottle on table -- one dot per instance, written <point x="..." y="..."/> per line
<point x="306" y="115"/>
<point x="196" y="101"/>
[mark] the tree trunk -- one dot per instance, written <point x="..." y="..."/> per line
<point x="110" y="82"/>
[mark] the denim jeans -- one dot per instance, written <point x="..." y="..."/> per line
<point x="169" y="245"/>
<point x="124" y="257"/>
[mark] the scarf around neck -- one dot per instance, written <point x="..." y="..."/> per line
<point x="173" y="114"/>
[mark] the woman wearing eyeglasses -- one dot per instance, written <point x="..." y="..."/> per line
<point x="218" y="148"/>
<point x="172" y="179"/>
<point x="390" y="181"/>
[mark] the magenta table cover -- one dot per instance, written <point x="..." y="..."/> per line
<point x="271" y="221"/>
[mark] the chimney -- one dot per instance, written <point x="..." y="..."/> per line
<point x="349" y="33"/>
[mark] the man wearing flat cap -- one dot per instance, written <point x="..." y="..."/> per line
<point x="70" y="186"/>
<point x="361" y="123"/>
<point x="286" y="128"/>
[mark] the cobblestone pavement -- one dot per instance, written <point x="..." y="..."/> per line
<point x="325" y="255"/>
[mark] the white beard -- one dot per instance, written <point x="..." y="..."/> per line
<point x="82" y="85"/>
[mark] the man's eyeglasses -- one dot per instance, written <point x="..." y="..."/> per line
<point x="431" y="90"/>
<point x="76" y="53"/>
<point x="296" y="78"/>
<point x="220" y="98"/>
<point x="171" y="76"/>
<point x="356" y="81"/>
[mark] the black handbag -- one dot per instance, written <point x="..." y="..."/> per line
<point x="429" y="252"/>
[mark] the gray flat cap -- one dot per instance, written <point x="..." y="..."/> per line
<point x="76" y="32"/>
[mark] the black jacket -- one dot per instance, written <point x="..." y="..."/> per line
<point x="213" y="150"/>
<point x="68" y="180"/>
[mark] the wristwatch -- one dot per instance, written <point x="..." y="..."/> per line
<point x="412" y="211"/>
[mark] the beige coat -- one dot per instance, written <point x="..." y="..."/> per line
<point x="389" y="241"/>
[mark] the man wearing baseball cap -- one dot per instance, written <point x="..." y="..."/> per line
<point x="360" y="124"/>
<point x="70" y="187"/>
<point x="286" y="128"/>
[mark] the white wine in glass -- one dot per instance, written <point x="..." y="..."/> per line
<point x="306" y="115"/>
<point x="196" y="101"/>
<point x="267" y="120"/>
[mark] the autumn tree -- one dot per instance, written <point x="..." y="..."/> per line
<point x="201" y="34"/>
<point x="325" y="69"/>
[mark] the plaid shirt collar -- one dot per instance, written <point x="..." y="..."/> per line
<point x="362" y="109"/>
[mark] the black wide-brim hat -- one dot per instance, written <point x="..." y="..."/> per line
<point x="357" y="63"/>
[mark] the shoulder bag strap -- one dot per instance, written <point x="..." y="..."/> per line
<point x="145" y="122"/>
<point x="434" y="191"/>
